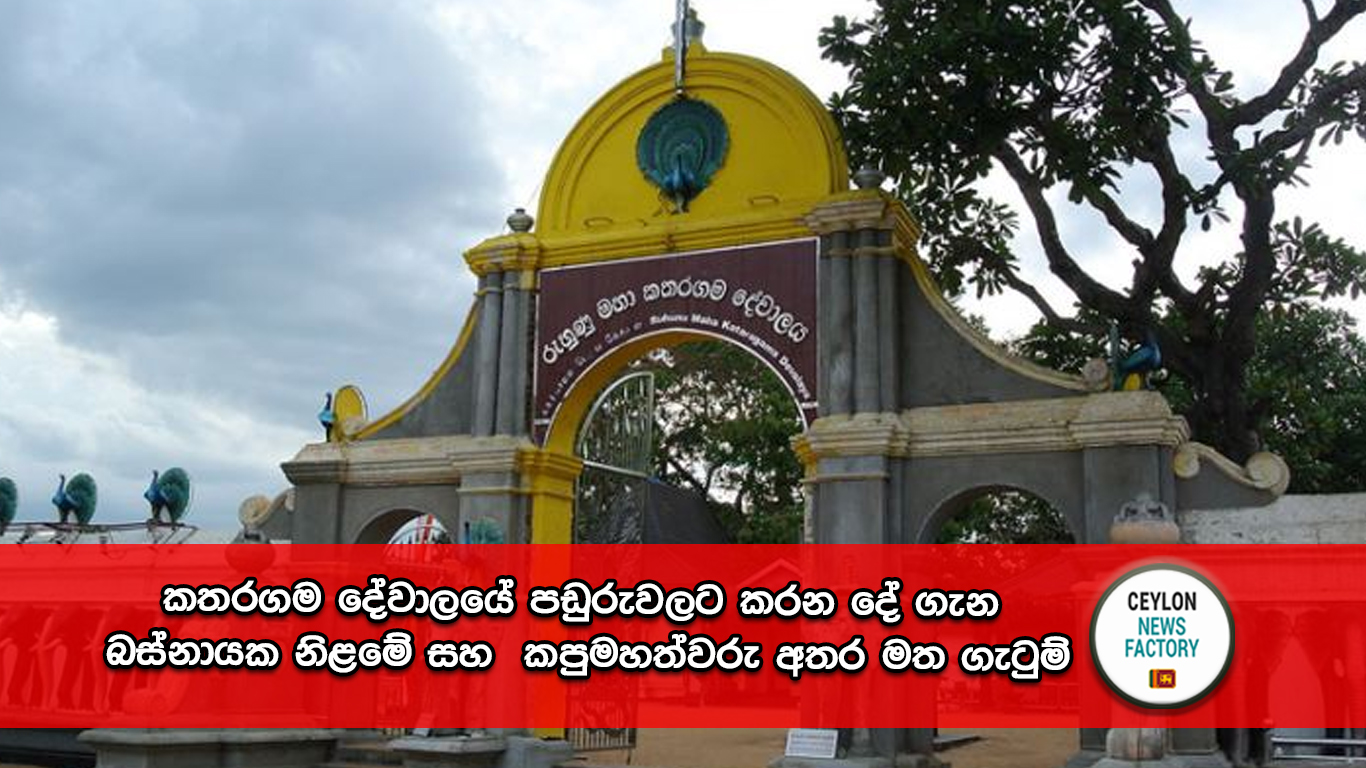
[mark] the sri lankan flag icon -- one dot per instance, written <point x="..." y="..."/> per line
<point x="1161" y="678"/>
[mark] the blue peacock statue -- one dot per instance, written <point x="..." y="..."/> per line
<point x="169" y="492"/>
<point x="9" y="503"/>
<point x="1133" y="371"/>
<point x="484" y="530"/>
<point x="75" y="496"/>
<point x="327" y="417"/>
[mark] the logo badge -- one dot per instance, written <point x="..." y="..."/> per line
<point x="1154" y="622"/>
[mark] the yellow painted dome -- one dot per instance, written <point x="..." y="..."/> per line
<point x="785" y="153"/>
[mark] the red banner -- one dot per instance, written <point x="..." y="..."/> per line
<point x="695" y="636"/>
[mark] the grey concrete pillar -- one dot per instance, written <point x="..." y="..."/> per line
<point x="866" y="380"/>
<point x="323" y="523"/>
<point x="888" y="322"/>
<point x="490" y="322"/>
<point x="851" y="500"/>
<point x="495" y="495"/>
<point x="1112" y="477"/>
<point x="511" y="356"/>
<point x="521" y="374"/>
<point x="840" y="338"/>
<point x="841" y="321"/>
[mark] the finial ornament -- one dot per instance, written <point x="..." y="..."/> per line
<point x="680" y="44"/>
<point x="520" y="221"/>
<point x="869" y="177"/>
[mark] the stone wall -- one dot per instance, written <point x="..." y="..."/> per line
<point x="1331" y="519"/>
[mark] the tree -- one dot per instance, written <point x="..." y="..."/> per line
<point x="1088" y="96"/>
<point x="1306" y="389"/>
<point x="723" y="428"/>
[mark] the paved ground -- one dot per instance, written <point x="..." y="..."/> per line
<point x="754" y="748"/>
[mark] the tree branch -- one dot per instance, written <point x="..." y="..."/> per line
<point x="1218" y="126"/>
<point x="1176" y="189"/>
<point x="1069" y="324"/>
<point x="1060" y="262"/>
<point x="1136" y="234"/>
<point x="1314" y="117"/>
<point x="687" y="475"/>
<point x="1320" y="31"/>
<point x="1311" y="12"/>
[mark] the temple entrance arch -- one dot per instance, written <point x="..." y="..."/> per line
<point x="723" y="208"/>
<point x="700" y="189"/>
<point x="602" y="419"/>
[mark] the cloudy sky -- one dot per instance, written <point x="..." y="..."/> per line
<point x="213" y="212"/>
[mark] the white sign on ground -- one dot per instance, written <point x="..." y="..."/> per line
<point x="811" y="742"/>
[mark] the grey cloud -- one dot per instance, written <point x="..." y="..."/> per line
<point x="195" y="184"/>
<point x="253" y="201"/>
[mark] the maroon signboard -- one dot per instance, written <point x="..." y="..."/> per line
<point x="760" y="297"/>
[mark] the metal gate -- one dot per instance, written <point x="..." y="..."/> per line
<point x="615" y="444"/>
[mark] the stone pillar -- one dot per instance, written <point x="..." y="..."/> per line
<point x="490" y="487"/>
<point x="512" y="358"/>
<point x="854" y="449"/>
<point x="888" y="323"/>
<point x="1136" y="748"/>
<point x="1145" y="520"/>
<point x="318" y="490"/>
<point x="838" y="337"/>
<point x="490" y="326"/>
<point x="866" y="330"/>
<point x="853" y="457"/>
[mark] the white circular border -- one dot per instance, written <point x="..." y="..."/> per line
<point x="1128" y="677"/>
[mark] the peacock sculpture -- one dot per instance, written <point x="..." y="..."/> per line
<point x="9" y="503"/>
<point x="75" y="496"/>
<point x="681" y="148"/>
<point x="327" y="417"/>
<point x="1132" y="372"/>
<point x="169" y="492"/>
<point x="484" y="530"/>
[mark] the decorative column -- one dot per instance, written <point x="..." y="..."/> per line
<point x="507" y="280"/>
<point x="1145" y="520"/>
<point x="486" y="353"/>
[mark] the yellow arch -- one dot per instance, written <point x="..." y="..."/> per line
<point x="553" y="513"/>
<point x="785" y="151"/>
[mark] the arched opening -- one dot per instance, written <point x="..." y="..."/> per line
<point x="404" y="526"/>
<point x="999" y="514"/>
<point x="689" y="442"/>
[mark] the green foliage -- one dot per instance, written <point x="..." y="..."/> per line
<point x="1006" y="517"/>
<point x="1306" y="385"/>
<point x="723" y="428"/>
<point x="1088" y="99"/>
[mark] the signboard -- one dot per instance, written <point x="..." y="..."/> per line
<point x="812" y="742"/>
<point x="762" y="298"/>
